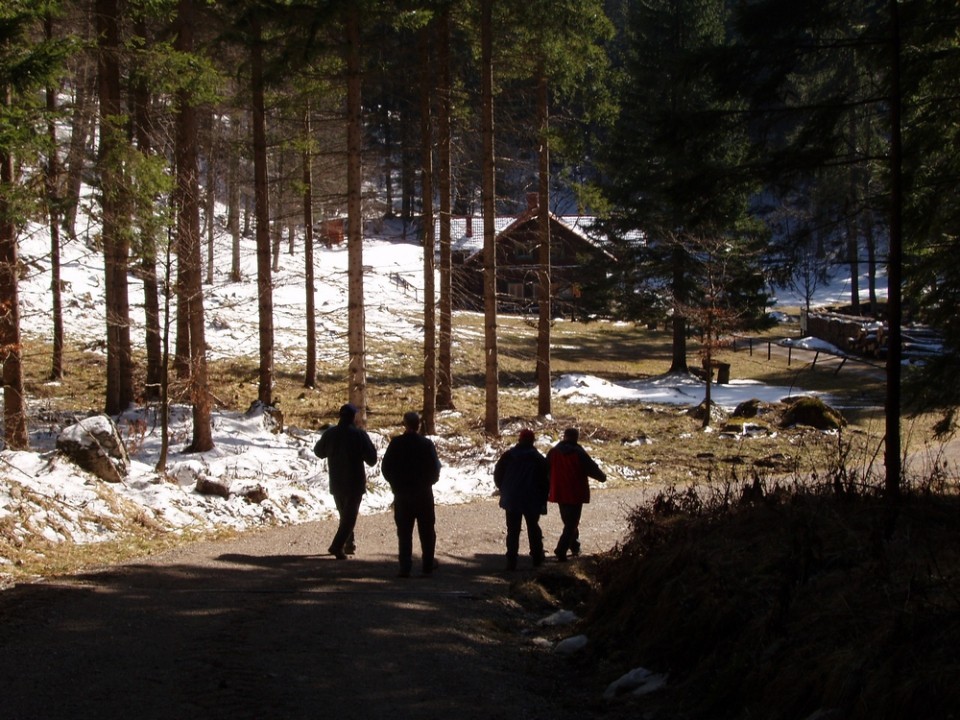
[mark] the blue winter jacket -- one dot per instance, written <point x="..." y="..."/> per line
<point x="521" y="475"/>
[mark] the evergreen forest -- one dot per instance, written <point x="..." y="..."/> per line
<point x="718" y="147"/>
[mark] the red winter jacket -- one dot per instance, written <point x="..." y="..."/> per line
<point x="570" y="468"/>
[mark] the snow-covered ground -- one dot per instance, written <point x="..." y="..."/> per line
<point x="43" y="494"/>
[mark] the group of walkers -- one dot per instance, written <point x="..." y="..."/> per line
<point x="527" y="481"/>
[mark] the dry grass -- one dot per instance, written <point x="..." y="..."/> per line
<point x="616" y="431"/>
<point x="758" y="599"/>
<point x="636" y="442"/>
<point x="799" y="602"/>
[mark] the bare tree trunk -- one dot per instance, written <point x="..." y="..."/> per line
<point x="262" y="210"/>
<point x="679" y="360"/>
<point x="892" y="459"/>
<point x="429" y="241"/>
<point x="81" y="126"/>
<point x="445" y="351"/>
<point x="181" y="353"/>
<point x="277" y="228"/>
<point x="115" y="233"/>
<point x="233" y="198"/>
<point x="543" y="327"/>
<point x="14" y="403"/>
<point x="188" y="240"/>
<point x="310" y="373"/>
<point x="53" y="170"/>
<point x="210" y="196"/>
<point x="488" y="190"/>
<point x="161" y="465"/>
<point x="853" y="252"/>
<point x="356" y="334"/>
<point x="708" y="366"/>
<point x="870" y="237"/>
<point x="148" y="247"/>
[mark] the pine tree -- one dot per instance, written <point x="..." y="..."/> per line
<point x="673" y="171"/>
<point x="28" y="63"/>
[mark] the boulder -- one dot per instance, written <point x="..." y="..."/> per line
<point x="272" y="415"/>
<point x="206" y="486"/>
<point x="747" y="409"/>
<point x="95" y="445"/>
<point x="814" y="412"/>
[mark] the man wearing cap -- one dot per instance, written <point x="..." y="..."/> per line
<point x="521" y="477"/>
<point x="570" y="470"/>
<point x="345" y="448"/>
<point x="411" y="466"/>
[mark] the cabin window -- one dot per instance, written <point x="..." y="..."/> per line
<point x="524" y="254"/>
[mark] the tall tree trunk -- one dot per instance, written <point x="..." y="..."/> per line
<point x="81" y="126"/>
<point x="408" y="167"/>
<point x="429" y="241"/>
<point x="233" y="198"/>
<point x="853" y="258"/>
<point x="54" y="213"/>
<point x="679" y="361"/>
<point x="210" y="199"/>
<point x="310" y="372"/>
<point x="445" y="350"/>
<point x="148" y="248"/>
<point x="161" y="465"/>
<point x="262" y="211"/>
<point x="892" y="460"/>
<point x="14" y="403"/>
<point x="181" y="352"/>
<point x="116" y="220"/>
<point x="488" y="190"/>
<point x="870" y="238"/>
<point x="188" y="239"/>
<point x="544" y="300"/>
<point x="356" y="321"/>
<point x="276" y="230"/>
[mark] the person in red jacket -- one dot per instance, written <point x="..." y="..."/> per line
<point x="570" y="470"/>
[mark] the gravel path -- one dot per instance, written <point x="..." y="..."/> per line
<point x="268" y="626"/>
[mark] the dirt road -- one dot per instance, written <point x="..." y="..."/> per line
<point x="268" y="626"/>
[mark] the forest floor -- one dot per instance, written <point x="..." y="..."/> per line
<point x="269" y="625"/>
<point x="817" y="602"/>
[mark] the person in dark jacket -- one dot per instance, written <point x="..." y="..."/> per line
<point x="570" y="470"/>
<point x="411" y="466"/>
<point x="521" y="477"/>
<point x="346" y="448"/>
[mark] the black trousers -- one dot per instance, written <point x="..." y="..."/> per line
<point x="415" y="509"/>
<point x="515" y="522"/>
<point x="570" y="536"/>
<point x="348" y="505"/>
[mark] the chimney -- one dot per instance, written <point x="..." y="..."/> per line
<point x="533" y="200"/>
<point x="469" y="231"/>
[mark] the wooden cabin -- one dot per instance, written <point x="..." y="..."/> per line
<point x="572" y="254"/>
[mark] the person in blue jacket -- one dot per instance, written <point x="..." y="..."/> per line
<point x="411" y="466"/>
<point x="521" y="476"/>
<point x="346" y="448"/>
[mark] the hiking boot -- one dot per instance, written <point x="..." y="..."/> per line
<point x="338" y="554"/>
